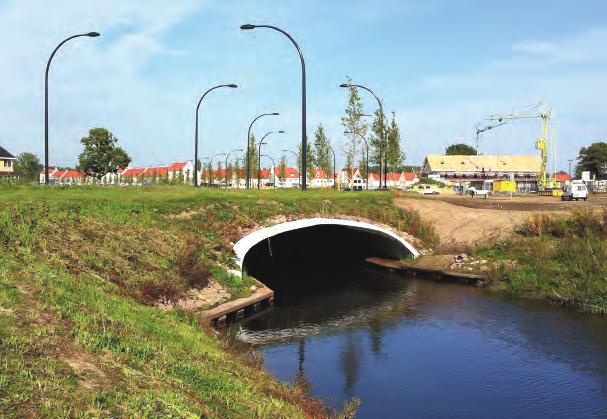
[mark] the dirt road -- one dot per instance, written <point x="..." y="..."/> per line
<point x="463" y="222"/>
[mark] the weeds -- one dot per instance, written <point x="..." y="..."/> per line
<point x="559" y="258"/>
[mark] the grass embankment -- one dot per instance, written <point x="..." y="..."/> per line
<point x="559" y="258"/>
<point x="80" y="269"/>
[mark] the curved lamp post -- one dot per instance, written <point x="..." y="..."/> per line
<point x="296" y="157"/>
<point x="259" y="154"/>
<point x="304" y="137"/>
<point x="233" y="86"/>
<point x="273" y="165"/>
<point x="228" y="155"/>
<point x="211" y="171"/>
<point x="48" y="67"/>
<point x="248" y="179"/>
<point x="383" y="134"/>
<point x="367" y="148"/>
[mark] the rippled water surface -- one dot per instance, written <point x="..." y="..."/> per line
<point x="410" y="347"/>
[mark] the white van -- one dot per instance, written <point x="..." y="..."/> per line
<point x="575" y="191"/>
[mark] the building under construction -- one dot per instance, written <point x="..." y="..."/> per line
<point x="476" y="171"/>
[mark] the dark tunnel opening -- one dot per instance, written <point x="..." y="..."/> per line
<point x="317" y="258"/>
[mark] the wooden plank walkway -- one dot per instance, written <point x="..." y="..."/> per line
<point x="436" y="267"/>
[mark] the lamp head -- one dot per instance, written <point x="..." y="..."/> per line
<point x="344" y="85"/>
<point x="281" y="132"/>
<point x="93" y="34"/>
<point x="275" y="113"/>
<point x="233" y="86"/>
<point x="248" y="26"/>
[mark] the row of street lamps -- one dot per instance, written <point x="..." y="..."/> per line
<point x="303" y="169"/>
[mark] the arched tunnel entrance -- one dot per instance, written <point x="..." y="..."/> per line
<point x="312" y="252"/>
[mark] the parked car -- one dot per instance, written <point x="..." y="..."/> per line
<point x="427" y="189"/>
<point x="481" y="192"/>
<point x="575" y="191"/>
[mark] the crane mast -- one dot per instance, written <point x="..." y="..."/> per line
<point x="541" y="144"/>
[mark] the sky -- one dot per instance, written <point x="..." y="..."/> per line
<point x="442" y="66"/>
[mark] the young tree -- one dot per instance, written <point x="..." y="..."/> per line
<point x="362" y="162"/>
<point x="253" y="157"/>
<point x="237" y="174"/>
<point x="324" y="156"/>
<point x="394" y="153"/>
<point x="219" y="177"/>
<point x="310" y="158"/>
<point x="211" y="174"/>
<point x="354" y="124"/>
<point x="460" y="149"/>
<point x="282" y="169"/>
<point x="377" y="142"/>
<point x="101" y="155"/>
<point x="592" y="159"/>
<point x="28" y="165"/>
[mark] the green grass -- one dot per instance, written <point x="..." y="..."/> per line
<point x="558" y="258"/>
<point x="80" y="269"/>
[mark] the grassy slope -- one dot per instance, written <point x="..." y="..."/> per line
<point x="78" y="270"/>
<point x="559" y="258"/>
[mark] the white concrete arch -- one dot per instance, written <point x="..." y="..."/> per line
<point x="242" y="247"/>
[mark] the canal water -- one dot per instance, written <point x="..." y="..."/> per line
<point x="415" y="348"/>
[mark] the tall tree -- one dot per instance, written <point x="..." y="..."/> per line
<point x="101" y="155"/>
<point x="28" y="166"/>
<point x="592" y="159"/>
<point x="323" y="156"/>
<point x="460" y="149"/>
<point x="394" y="153"/>
<point x="354" y="124"/>
<point x="282" y="169"/>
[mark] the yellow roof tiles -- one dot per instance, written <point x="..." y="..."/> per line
<point x="442" y="163"/>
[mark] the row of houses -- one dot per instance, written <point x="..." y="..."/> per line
<point x="182" y="172"/>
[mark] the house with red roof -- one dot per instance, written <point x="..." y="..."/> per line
<point x="291" y="180"/>
<point x="320" y="179"/>
<point x="563" y="178"/>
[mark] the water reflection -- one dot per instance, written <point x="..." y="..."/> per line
<point x="431" y="349"/>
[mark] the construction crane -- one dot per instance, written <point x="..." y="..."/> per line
<point x="541" y="144"/>
<point x="483" y="129"/>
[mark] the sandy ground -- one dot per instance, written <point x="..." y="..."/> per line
<point x="462" y="222"/>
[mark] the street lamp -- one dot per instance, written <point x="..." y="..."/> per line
<point x="233" y="86"/>
<point x="382" y="133"/>
<point x="273" y="166"/>
<point x="259" y="154"/>
<point x="211" y="169"/>
<point x="367" y="147"/>
<point x="228" y="155"/>
<point x="248" y="179"/>
<point x="304" y="138"/>
<point x="296" y="157"/>
<point x="334" y="168"/>
<point x="48" y="66"/>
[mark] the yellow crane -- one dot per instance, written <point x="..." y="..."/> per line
<point x="541" y="144"/>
